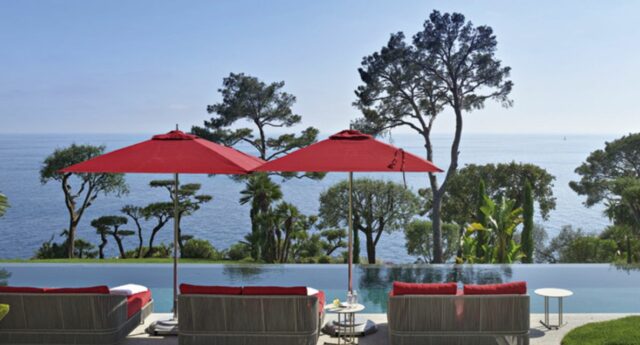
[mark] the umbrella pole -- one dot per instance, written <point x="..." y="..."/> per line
<point x="176" y="226"/>
<point x="350" y="255"/>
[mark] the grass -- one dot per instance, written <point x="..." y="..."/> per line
<point x="4" y="309"/>
<point x="625" y="331"/>
<point x="119" y="261"/>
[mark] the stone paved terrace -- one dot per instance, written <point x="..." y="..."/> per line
<point x="539" y="334"/>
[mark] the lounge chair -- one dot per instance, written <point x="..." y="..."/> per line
<point x="441" y="314"/>
<point x="93" y="315"/>
<point x="213" y="315"/>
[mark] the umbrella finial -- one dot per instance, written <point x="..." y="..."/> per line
<point x="176" y="126"/>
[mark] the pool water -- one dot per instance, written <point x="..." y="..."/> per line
<point x="597" y="288"/>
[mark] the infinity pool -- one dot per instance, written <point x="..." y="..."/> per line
<point x="597" y="288"/>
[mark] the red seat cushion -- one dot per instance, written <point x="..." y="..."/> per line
<point x="275" y="290"/>
<point x="210" y="290"/>
<point x="101" y="289"/>
<point x="321" y="300"/>
<point x="513" y="288"/>
<point x="400" y="288"/>
<point x="136" y="301"/>
<point x="20" y="289"/>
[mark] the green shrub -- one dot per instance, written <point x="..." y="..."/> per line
<point x="200" y="249"/>
<point x="308" y="260"/>
<point x="238" y="252"/>
<point x="162" y="251"/>
<point x="53" y="250"/>
<point x="4" y="310"/>
<point x="590" y="249"/>
<point x="324" y="259"/>
<point x="159" y="251"/>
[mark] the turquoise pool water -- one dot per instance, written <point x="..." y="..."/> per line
<point x="597" y="288"/>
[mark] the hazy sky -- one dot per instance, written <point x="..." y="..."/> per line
<point x="143" y="66"/>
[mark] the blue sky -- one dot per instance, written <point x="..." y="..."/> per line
<point x="143" y="66"/>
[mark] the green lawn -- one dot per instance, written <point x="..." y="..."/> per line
<point x="625" y="331"/>
<point x="119" y="261"/>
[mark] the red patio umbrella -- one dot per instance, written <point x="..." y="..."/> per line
<point x="350" y="151"/>
<point x="176" y="153"/>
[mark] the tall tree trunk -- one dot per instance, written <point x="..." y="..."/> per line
<point x="180" y="243"/>
<point x="120" y="246"/>
<point x="73" y="217"/>
<point x="436" y="212"/>
<point x="437" y="227"/>
<point x="139" y="238"/>
<point x="154" y="231"/>
<point x="371" y="247"/>
<point x="149" y="252"/>
<point x="102" y="245"/>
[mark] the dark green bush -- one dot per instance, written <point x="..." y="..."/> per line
<point x="238" y="252"/>
<point x="200" y="249"/>
<point x="53" y="250"/>
<point x="324" y="259"/>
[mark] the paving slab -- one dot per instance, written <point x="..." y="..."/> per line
<point x="539" y="335"/>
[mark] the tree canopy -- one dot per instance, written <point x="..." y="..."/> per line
<point x="189" y="201"/>
<point x="619" y="158"/>
<point x="264" y="106"/>
<point x="501" y="180"/>
<point x="418" y="235"/>
<point x="378" y="206"/>
<point x="89" y="186"/>
<point x="449" y="63"/>
<point x="111" y="225"/>
<point x="612" y="176"/>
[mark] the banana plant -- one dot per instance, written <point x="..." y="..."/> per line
<point x="501" y="222"/>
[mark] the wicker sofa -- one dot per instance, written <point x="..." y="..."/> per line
<point x="71" y="316"/>
<point x="249" y="315"/>
<point x="459" y="318"/>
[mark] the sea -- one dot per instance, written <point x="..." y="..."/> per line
<point x="37" y="211"/>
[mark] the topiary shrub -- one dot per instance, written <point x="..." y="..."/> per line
<point x="200" y="249"/>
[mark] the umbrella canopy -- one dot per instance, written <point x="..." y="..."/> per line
<point x="177" y="153"/>
<point x="350" y="151"/>
<point x="174" y="152"/>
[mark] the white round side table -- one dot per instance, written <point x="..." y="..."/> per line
<point x="346" y="321"/>
<point x="553" y="293"/>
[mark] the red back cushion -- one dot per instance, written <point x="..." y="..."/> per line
<point x="136" y="301"/>
<point x="101" y="289"/>
<point x="210" y="290"/>
<point x="400" y="288"/>
<point x="275" y="290"/>
<point x="20" y="289"/>
<point x="513" y="288"/>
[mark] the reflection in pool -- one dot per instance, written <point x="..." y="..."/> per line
<point x="597" y="288"/>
